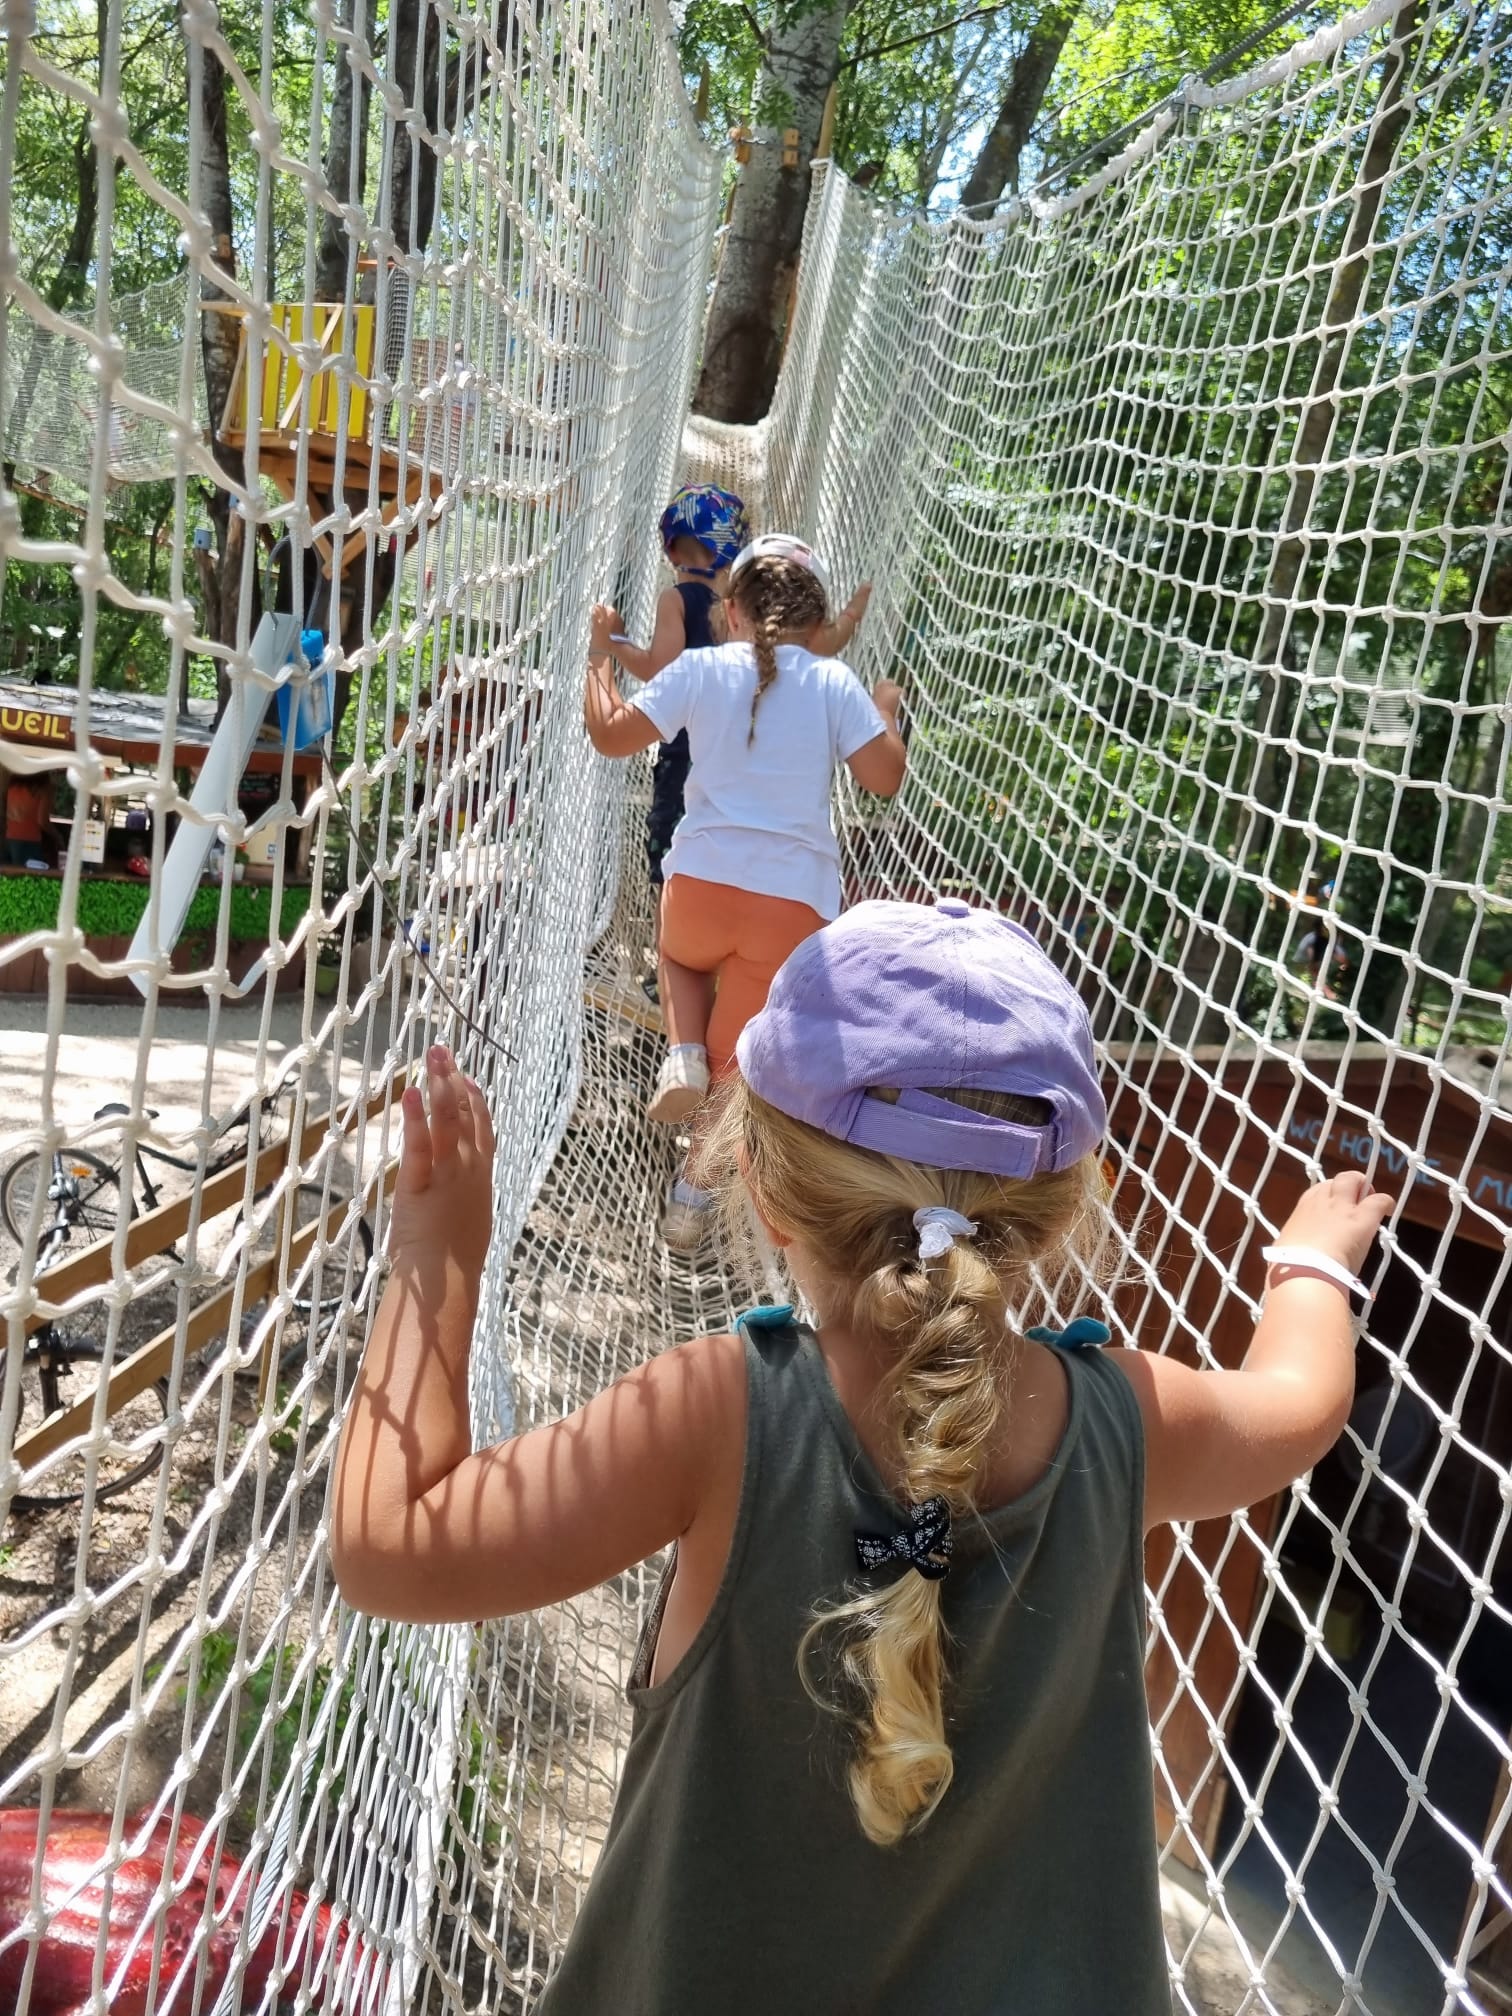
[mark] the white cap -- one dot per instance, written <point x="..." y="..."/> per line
<point x="782" y="546"/>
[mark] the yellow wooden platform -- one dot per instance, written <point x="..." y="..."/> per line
<point x="323" y="414"/>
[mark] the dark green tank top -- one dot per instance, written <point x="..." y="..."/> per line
<point x="735" y="1880"/>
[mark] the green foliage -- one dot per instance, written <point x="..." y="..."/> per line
<point x="900" y="109"/>
<point x="27" y="903"/>
<point x="1124" y="710"/>
<point x="921" y="83"/>
<point x="109" y="909"/>
<point x="112" y="909"/>
<point x="270" y="1687"/>
<point x="251" y="910"/>
<point x="1120" y="60"/>
<point x="41" y="605"/>
<point x="284" y="1439"/>
<point x="150" y="83"/>
<point x="1111" y="734"/>
<point x="271" y="1707"/>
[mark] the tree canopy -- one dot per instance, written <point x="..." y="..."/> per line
<point x="920" y="82"/>
<point x="920" y="88"/>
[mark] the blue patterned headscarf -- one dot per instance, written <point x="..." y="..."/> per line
<point x="716" y="518"/>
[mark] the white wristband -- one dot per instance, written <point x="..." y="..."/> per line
<point x="1317" y="1263"/>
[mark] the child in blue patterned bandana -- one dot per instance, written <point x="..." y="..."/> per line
<point x="702" y="530"/>
<point x="890" y="1748"/>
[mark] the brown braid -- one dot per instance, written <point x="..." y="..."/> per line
<point x="783" y="603"/>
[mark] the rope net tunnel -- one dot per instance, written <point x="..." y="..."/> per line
<point x="1184" y="487"/>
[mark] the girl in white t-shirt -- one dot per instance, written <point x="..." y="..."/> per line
<point x="754" y="867"/>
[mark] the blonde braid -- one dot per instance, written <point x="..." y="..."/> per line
<point x="949" y="1324"/>
<point x="946" y="1399"/>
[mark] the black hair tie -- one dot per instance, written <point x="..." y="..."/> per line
<point x="925" y="1543"/>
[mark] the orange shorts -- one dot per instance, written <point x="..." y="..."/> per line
<point x="739" y="937"/>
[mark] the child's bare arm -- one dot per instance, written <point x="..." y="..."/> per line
<point x="613" y="728"/>
<point x="1217" y="1441"/>
<point x="668" y="639"/>
<point x="879" y="765"/>
<point x="425" y="1531"/>
<point x="409" y="1426"/>
<point x="831" y="638"/>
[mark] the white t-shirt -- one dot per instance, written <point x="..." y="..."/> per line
<point x="758" y="816"/>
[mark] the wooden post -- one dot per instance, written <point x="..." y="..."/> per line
<point x="283" y="1226"/>
<point x="1490" y="1958"/>
<point x="825" y="148"/>
<point x="792" y="309"/>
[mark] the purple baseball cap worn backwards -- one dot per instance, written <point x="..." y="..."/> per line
<point x="919" y="999"/>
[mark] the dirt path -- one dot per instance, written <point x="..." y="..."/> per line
<point x="103" y="1048"/>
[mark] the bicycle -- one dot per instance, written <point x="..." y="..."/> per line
<point x="84" y="1192"/>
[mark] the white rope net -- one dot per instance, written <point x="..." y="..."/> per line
<point x="1186" y="497"/>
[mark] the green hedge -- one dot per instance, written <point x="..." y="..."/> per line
<point x="114" y="909"/>
<point x="27" y="903"/>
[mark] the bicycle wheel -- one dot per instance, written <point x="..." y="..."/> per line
<point x="324" y="1286"/>
<point x="89" y="1193"/>
<point x="63" y="1364"/>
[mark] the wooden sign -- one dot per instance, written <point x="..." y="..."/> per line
<point x="1459" y="1167"/>
<point x="29" y="724"/>
<point x="1349" y="1145"/>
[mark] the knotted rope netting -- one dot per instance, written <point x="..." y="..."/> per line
<point x="1185" y="493"/>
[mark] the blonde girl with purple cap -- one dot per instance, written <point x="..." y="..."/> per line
<point x="890" y="1748"/>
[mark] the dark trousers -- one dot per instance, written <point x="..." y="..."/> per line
<point x="668" y="780"/>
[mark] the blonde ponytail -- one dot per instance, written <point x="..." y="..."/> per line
<point x="950" y="1323"/>
<point x="879" y="1657"/>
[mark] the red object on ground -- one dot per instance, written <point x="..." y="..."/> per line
<point x="73" y="1899"/>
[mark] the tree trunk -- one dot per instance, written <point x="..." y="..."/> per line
<point x="997" y="165"/>
<point x="439" y="91"/>
<point x="345" y="165"/>
<point x="412" y="162"/>
<point x="71" y="281"/>
<point x="932" y="159"/>
<point x="1465" y="862"/>
<point x="743" y="340"/>
<point x="220" y="338"/>
<point x="68" y="285"/>
<point x="1277" y="696"/>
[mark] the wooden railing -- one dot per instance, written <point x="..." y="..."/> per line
<point x="155" y="1232"/>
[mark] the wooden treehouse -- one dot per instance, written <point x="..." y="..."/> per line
<point x="323" y="409"/>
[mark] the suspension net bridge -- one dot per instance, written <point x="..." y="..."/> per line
<point x="1184" y="485"/>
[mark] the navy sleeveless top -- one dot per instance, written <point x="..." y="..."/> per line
<point x="697" y="600"/>
<point x="736" y="1881"/>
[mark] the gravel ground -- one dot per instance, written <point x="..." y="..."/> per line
<point x="67" y="1682"/>
<point x="101" y="1049"/>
